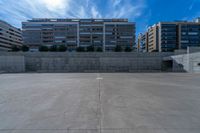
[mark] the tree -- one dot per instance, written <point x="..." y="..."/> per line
<point x="43" y="49"/>
<point x="118" y="48"/>
<point x="90" y="49"/>
<point x="53" y="48"/>
<point x="99" y="49"/>
<point x="15" y="49"/>
<point x="128" y="49"/>
<point x="25" y="48"/>
<point x="62" y="48"/>
<point x="80" y="49"/>
<point x="154" y="50"/>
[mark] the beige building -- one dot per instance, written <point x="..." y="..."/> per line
<point x="9" y="36"/>
<point x="152" y="38"/>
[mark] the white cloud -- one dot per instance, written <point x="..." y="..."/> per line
<point x="15" y="12"/>
<point x="95" y="13"/>
<point x="191" y="5"/>
<point x="126" y="8"/>
<point x="116" y="2"/>
<point x="54" y="4"/>
<point x="81" y="12"/>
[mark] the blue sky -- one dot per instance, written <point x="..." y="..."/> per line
<point x="143" y="12"/>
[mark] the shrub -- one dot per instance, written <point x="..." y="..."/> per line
<point x="15" y="49"/>
<point x="43" y="49"/>
<point x="154" y="51"/>
<point x="25" y="48"/>
<point x="80" y="49"/>
<point x="62" y="48"/>
<point x="99" y="49"/>
<point x="128" y="49"/>
<point x="53" y="48"/>
<point x="118" y="48"/>
<point x="90" y="49"/>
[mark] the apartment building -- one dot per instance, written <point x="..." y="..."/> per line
<point x="169" y="36"/>
<point x="152" y="37"/>
<point x="143" y="42"/>
<point x="9" y="36"/>
<point x="197" y="20"/>
<point x="189" y="35"/>
<point x="104" y="33"/>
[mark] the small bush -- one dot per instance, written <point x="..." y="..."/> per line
<point x="15" y="49"/>
<point x="128" y="49"/>
<point x="43" y="49"/>
<point x="80" y="49"/>
<point x="25" y="48"/>
<point x="154" y="51"/>
<point x="53" y="48"/>
<point x="90" y="49"/>
<point x="118" y="48"/>
<point x="62" y="48"/>
<point x="99" y="49"/>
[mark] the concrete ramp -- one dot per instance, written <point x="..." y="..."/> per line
<point x="186" y="62"/>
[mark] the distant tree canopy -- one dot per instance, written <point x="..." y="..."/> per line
<point x="90" y="49"/>
<point x="62" y="48"/>
<point x="25" y="48"/>
<point x="154" y="51"/>
<point x="118" y="48"/>
<point x="80" y="49"/>
<point x="15" y="49"/>
<point x="53" y="48"/>
<point x="128" y="49"/>
<point x="43" y="48"/>
<point x="99" y="49"/>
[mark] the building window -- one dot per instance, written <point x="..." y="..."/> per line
<point x="183" y="33"/>
<point x="193" y="33"/>
<point x="59" y="37"/>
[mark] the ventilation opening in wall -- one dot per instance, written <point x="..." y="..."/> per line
<point x="198" y="64"/>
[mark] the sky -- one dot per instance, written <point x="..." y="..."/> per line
<point x="144" y="12"/>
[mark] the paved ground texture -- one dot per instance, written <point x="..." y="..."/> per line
<point x="100" y="103"/>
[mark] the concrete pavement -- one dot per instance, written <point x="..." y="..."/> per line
<point x="100" y="103"/>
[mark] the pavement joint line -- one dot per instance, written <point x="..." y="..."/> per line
<point x="99" y="78"/>
<point x="104" y="129"/>
<point x="99" y="103"/>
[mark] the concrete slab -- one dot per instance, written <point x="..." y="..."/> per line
<point x="100" y="103"/>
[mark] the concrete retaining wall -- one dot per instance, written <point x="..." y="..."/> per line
<point x="12" y="64"/>
<point x="91" y="62"/>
